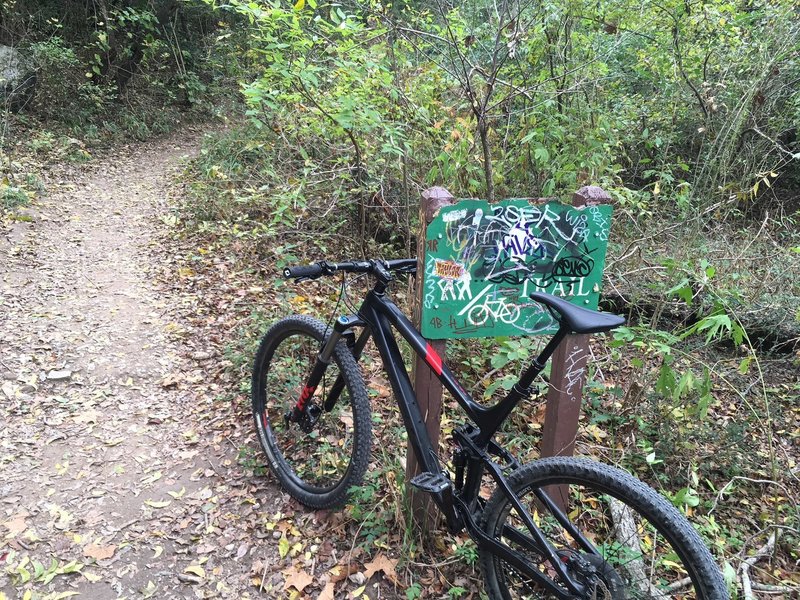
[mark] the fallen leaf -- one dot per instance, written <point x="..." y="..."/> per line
<point x="195" y="570"/>
<point x="9" y="390"/>
<point x="296" y="578"/>
<point x="171" y="380"/>
<point x="148" y="590"/>
<point x="158" y="503"/>
<point x="86" y="417"/>
<point x="152" y="478"/>
<point x="340" y="572"/>
<point x="243" y="548"/>
<point x="16" y="525"/>
<point x="99" y="552"/>
<point x="283" y="547"/>
<point x="358" y="591"/>
<point x="178" y="495"/>
<point x="157" y="551"/>
<point x="59" y="375"/>
<point x="382" y="563"/>
<point x="327" y="591"/>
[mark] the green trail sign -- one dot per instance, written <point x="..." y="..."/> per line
<point x="483" y="260"/>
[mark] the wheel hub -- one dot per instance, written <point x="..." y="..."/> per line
<point x="306" y="420"/>
<point x="602" y="579"/>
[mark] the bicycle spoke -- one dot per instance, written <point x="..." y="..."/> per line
<point x="634" y="559"/>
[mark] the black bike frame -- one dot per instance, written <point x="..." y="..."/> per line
<point x="378" y="315"/>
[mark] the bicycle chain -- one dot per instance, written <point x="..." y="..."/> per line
<point x="599" y="584"/>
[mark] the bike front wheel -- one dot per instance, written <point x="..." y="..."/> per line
<point x="319" y="458"/>
<point x="643" y="547"/>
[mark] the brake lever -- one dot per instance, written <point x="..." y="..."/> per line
<point x="327" y="268"/>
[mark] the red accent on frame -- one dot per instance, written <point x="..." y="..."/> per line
<point x="433" y="359"/>
<point x="308" y="391"/>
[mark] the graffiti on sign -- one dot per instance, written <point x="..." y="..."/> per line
<point x="483" y="260"/>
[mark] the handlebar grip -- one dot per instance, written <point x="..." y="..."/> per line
<point x="309" y="271"/>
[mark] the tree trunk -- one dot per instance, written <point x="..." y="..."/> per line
<point x="483" y="132"/>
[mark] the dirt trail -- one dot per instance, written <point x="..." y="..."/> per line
<point x="100" y="463"/>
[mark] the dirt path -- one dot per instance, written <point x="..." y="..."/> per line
<point x="106" y="488"/>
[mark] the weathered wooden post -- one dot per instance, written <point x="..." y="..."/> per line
<point x="426" y="386"/>
<point x="568" y="371"/>
<point x="567" y="377"/>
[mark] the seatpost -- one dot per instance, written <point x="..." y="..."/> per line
<point x="521" y="389"/>
<point x="536" y="367"/>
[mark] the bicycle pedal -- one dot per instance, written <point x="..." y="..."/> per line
<point x="433" y="483"/>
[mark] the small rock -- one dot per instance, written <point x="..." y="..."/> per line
<point x="201" y="355"/>
<point x="357" y="578"/>
<point x="60" y="375"/>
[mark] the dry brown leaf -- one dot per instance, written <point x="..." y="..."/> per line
<point x="99" y="552"/>
<point x="382" y="563"/>
<point x="16" y="525"/>
<point x="381" y="390"/>
<point x="340" y="572"/>
<point x="86" y="417"/>
<point x="296" y="578"/>
<point x="327" y="591"/>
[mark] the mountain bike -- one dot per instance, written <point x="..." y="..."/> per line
<point x="557" y="527"/>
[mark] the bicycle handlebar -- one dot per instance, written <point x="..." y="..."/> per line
<point x="373" y="267"/>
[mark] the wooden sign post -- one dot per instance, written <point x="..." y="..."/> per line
<point x="568" y="371"/>
<point x="427" y="387"/>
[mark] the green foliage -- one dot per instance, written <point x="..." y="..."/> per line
<point x="17" y="186"/>
<point x="365" y="507"/>
<point x="414" y="591"/>
<point x="356" y="103"/>
<point x="121" y="68"/>
<point x="467" y="551"/>
<point x="12" y="196"/>
<point x="684" y="111"/>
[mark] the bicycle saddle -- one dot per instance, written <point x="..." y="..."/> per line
<point x="577" y="319"/>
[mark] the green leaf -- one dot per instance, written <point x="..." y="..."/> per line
<point x="684" y="386"/>
<point x="683" y="290"/>
<point x="300" y="4"/>
<point x="729" y="574"/>
<point x="283" y="547"/>
<point x="714" y="325"/>
<point x="24" y="574"/>
<point x="541" y="154"/>
<point x="703" y="404"/>
<point x="665" y="383"/>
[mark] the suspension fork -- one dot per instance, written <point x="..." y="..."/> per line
<point x="356" y="347"/>
<point x="340" y="328"/>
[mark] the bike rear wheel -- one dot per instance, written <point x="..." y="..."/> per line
<point x="647" y="549"/>
<point x="316" y="461"/>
